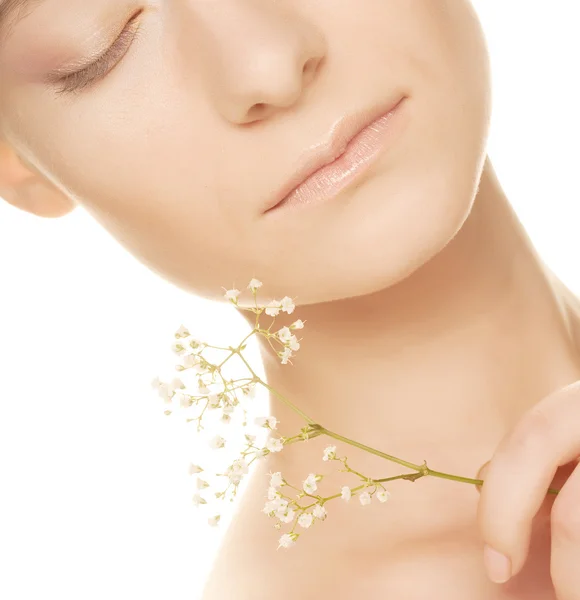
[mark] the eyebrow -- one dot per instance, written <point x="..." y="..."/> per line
<point x="12" y="12"/>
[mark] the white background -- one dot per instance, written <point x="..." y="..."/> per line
<point x="95" y="499"/>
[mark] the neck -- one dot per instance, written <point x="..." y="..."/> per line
<point x="447" y="359"/>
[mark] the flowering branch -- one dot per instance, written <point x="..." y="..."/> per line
<point x="287" y="503"/>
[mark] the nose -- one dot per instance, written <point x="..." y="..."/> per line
<point x="265" y="54"/>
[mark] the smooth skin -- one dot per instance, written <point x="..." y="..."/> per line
<point x="434" y="330"/>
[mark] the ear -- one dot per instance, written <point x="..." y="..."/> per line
<point x="23" y="187"/>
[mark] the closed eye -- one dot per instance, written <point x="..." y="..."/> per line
<point x="98" y="68"/>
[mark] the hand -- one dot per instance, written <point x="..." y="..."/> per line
<point x="516" y="483"/>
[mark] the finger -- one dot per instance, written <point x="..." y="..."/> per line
<point x="519" y="475"/>
<point x="565" y="556"/>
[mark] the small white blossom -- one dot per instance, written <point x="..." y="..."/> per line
<point x="250" y="438"/>
<point x="201" y="484"/>
<point x="213" y="401"/>
<point x="273" y="308"/>
<point x="287" y="540"/>
<point x="276" y="480"/>
<point x="273" y="493"/>
<point x="249" y="390"/>
<point x="274" y="445"/>
<point x="288" y="305"/>
<point x="299" y="324"/>
<point x="288" y="517"/>
<point x="294" y="344"/>
<point x="217" y="442"/>
<point x="254" y="284"/>
<point x="194" y="469"/>
<point x="309" y="485"/>
<point x="345" y="494"/>
<point x="329" y="453"/>
<point x="237" y="470"/>
<point x="305" y="520"/>
<point x="282" y="506"/>
<point x="182" y="332"/>
<point x="383" y="495"/>
<point x="197" y="500"/>
<point x="213" y="521"/>
<point x="190" y="360"/>
<point x="267" y="422"/>
<point x="365" y="498"/>
<point x="284" y="334"/>
<point x="285" y="355"/>
<point x="178" y="348"/>
<point x="176" y="384"/>
<point x="319" y="512"/>
<point x="232" y="294"/>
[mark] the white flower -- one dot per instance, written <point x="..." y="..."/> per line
<point x="155" y="383"/>
<point x="182" y="400"/>
<point x="194" y="469"/>
<point x="329" y="453"/>
<point x="365" y="498"/>
<point x="232" y="295"/>
<point x="226" y="418"/>
<point x="217" y="442"/>
<point x="288" y="305"/>
<point x="273" y="308"/>
<point x="383" y="495"/>
<point x="254" y="284"/>
<point x="213" y="401"/>
<point x="305" y="520"/>
<point x="287" y="540"/>
<point x="273" y="493"/>
<point x="285" y="355"/>
<point x="345" y="493"/>
<point x="197" y="500"/>
<point x="190" y="360"/>
<point x="288" y="517"/>
<point x="165" y="392"/>
<point x="294" y="344"/>
<point x="250" y="390"/>
<point x="274" y="445"/>
<point x="284" y="334"/>
<point x="309" y="485"/>
<point x="201" y="484"/>
<point x="182" y="332"/>
<point x="213" y="521"/>
<point x="237" y="470"/>
<point x="267" y="422"/>
<point x="177" y="384"/>
<point x="276" y="480"/>
<point x="299" y="324"/>
<point x="278" y="504"/>
<point x="319" y="512"/>
<point x="177" y="348"/>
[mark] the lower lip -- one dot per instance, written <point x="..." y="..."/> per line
<point x="360" y="153"/>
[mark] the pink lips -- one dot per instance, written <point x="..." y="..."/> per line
<point x="354" y="143"/>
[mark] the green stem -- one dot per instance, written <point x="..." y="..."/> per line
<point x="273" y="391"/>
<point x="421" y="470"/>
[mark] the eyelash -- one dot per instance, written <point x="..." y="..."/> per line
<point x="97" y="70"/>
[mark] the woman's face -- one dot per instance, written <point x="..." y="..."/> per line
<point x="179" y="149"/>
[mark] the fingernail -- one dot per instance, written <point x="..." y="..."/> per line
<point x="498" y="566"/>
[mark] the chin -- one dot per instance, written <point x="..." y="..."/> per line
<point x="391" y="226"/>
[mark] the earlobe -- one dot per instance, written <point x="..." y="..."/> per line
<point x="28" y="190"/>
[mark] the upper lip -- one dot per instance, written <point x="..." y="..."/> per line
<point x="320" y="154"/>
